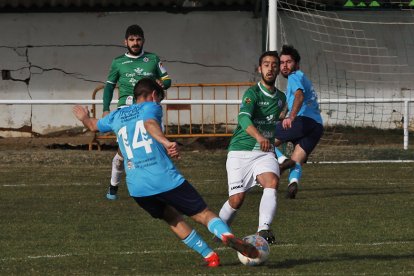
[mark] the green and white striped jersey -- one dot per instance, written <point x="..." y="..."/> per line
<point x="126" y="70"/>
<point x="263" y="108"/>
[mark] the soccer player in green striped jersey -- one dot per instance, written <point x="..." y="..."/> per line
<point x="126" y="70"/>
<point x="251" y="160"/>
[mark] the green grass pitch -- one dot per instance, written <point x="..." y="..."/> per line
<point x="348" y="219"/>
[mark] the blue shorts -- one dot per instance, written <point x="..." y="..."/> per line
<point x="305" y="131"/>
<point x="184" y="198"/>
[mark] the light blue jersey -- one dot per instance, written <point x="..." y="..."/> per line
<point x="310" y="107"/>
<point x="149" y="170"/>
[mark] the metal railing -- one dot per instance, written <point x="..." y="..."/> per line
<point x="209" y="110"/>
<point x="192" y="110"/>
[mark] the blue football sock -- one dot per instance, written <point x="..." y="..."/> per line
<point x="280" y="156"/>
<point x="295" y="173"/>
<point x="195" y="242"/>
<point x="218" y="227"/>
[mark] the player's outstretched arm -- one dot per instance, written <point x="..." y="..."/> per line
<point x="82" y="114"/>
<point x="155" y="131"/>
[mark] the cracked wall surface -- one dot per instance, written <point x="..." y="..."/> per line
<point x="65" y="56"/>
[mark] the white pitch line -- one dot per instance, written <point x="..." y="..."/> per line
<point x="53" y="185"/>
<point x="361" y="162"/>
<point x="50" y="256"/>
<point x="145" y="252"/>
<point x="343" y="245"/>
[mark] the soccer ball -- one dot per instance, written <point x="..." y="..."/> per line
<point x="261" y="244"/>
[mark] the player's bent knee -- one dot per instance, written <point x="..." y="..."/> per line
<point x="272" y="185"/>
<point x="204" y="216"/>
<point x="236" y="201"/>
<point x="268" y="180"/>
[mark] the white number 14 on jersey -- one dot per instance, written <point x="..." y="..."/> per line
<point x="144" y="142"/>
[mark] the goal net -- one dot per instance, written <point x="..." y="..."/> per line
<point x="360" y="59"/>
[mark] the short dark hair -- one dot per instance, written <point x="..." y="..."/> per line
<point x="268" y="53"/>
<point x="134" y="30"/>
<point x="289" y="50"/>
<point x="145" y="86"/>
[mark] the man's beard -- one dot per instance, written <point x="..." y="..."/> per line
<point x="268" y="82"/>
<point x="285" y="75"/>
<point x="134" y="51"/>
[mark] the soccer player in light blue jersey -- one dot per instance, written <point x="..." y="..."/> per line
<point x="152" y="179"/>
<point x="303" y="124"/>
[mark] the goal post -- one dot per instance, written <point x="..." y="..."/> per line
<point x="360" y="61"/>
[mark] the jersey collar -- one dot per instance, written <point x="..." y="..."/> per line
<point x="266" y="91"/>
<point x="131" y="56"/>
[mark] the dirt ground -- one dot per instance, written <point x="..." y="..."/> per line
<point x="28" y="149"/>
<point x="78" y="138"/>
<point x="82" y="141"/>
<point x="42" y="142"/>
<point x="68" y="150"/>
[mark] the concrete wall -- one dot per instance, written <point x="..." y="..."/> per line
<point x="65" y="56"/>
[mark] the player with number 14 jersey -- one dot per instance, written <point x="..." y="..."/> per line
<point x="145" y="160"/>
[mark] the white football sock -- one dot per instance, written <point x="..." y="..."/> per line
<point x="267" y="209"/>
<point x="227" y="213"/>
<point x="117" y="169"/>
<point x="280" y="156"/>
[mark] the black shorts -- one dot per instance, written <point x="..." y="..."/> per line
<point x="305" y="131"/>
<point x="184" y="198"/>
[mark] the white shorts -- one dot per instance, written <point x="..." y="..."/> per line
<point x="244" y="166"/>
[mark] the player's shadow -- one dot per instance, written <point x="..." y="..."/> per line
<point x="290" y="263"/>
